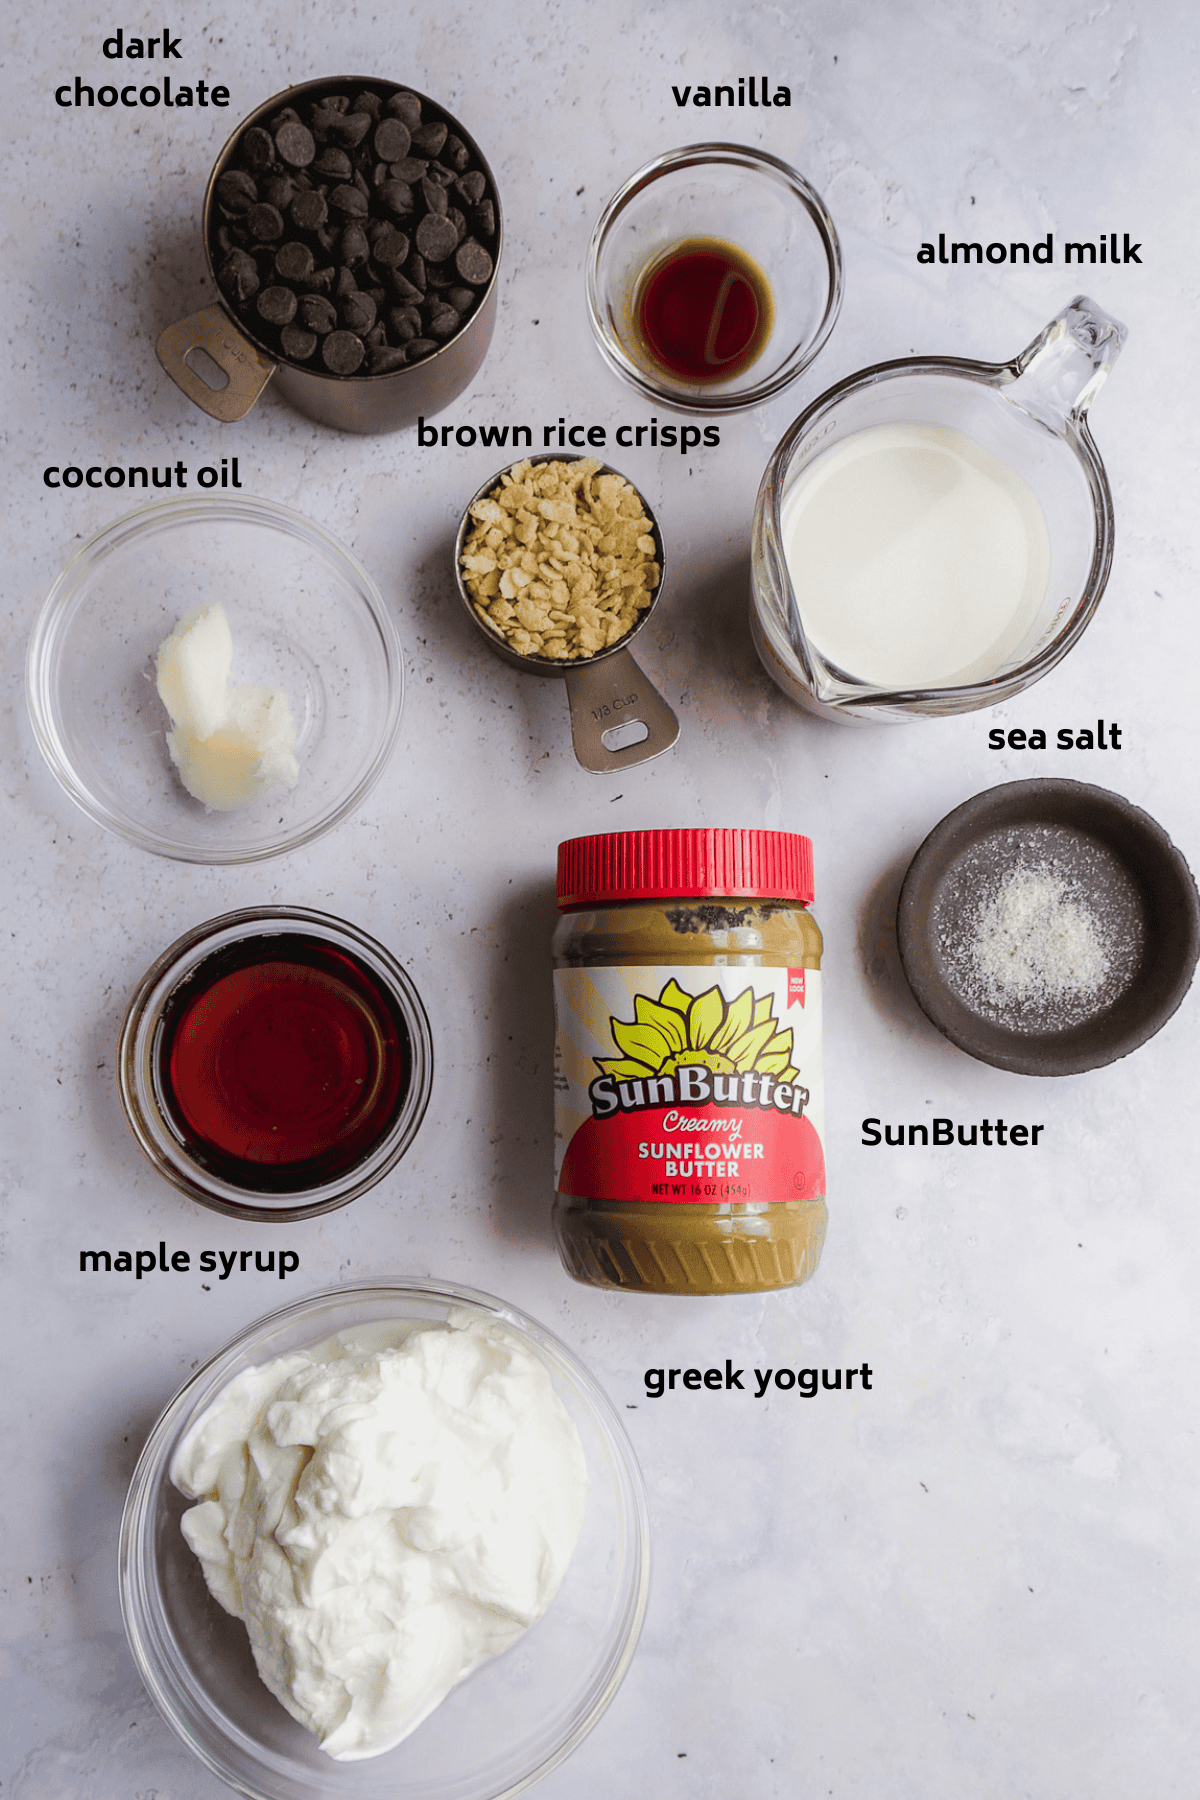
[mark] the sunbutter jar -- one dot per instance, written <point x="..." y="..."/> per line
<point x="689" y="1096"/>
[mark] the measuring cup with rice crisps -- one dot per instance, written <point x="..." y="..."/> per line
<point x="559" y="563"/>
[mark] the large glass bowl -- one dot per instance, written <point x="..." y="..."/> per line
<point x="305" y="616"/>
<point x="498" y="1732"/>
<point x="743" y="197"/>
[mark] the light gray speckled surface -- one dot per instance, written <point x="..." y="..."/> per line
<point x="981" y="1578"/>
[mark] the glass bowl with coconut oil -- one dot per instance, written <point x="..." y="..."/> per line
<point x="933" y="535"/>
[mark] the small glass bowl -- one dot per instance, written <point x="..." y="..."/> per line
<point x="305" y="616"/>
<point x="743" y="197"/>
<point x="512" y="1721"/>
<point x="140" y="1081"/>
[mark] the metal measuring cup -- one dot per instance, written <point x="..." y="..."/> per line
<point x="618" y="717"/>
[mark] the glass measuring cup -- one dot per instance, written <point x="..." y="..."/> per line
<point x="618" y="717"/>
<point x="1030" y="413"/>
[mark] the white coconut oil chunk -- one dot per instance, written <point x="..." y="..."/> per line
<point x="385" y="1511"/>
<point x="230" y="744"/>
<point x="918" y="559"/>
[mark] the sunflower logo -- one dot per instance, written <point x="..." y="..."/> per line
<point x="677" y="1028"/>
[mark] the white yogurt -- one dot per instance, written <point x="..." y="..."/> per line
<point x="385" y="1511"/>
<point x="918" y="559"/>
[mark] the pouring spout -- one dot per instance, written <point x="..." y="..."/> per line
<point x="1058" y="375"/>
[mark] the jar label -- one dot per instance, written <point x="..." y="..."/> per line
<point x="689" y="1084"/>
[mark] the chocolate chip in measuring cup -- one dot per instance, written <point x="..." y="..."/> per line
<point x="298" y="344"/>
<point x="318" y="314"/>
<point x="342" y="352"/>
<point x="473" y="262"/>
<point x="257" y="149"/>
<point x="237" y="192"/>
<point x="265" y="223"/>
<point x="295" y="145"/>
<point x="436" y="238"/>
<point x="277" y="305"/>
<point x="406" y="106"/>
<point x="347" y="200"/>
<point x="238" y="276"/>
<point x="309" y="211"/>
<point x="391" y="139"/>
<point x="293" y="262"/>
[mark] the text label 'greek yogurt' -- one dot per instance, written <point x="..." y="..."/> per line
<point x="570" y="437"/>
<point x="942" y="1131"/>
<point x="1105" y="249"/>
<point x="140" y="475"/>
<point x="1084" y="738"/>
<point x="160" y="48"/>
<point x="806" y="1382"/>
<point x="139" y="1263"/>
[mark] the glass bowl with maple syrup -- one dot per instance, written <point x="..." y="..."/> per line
<point x="714" y="276"/>
<point x="275" y="1063"/>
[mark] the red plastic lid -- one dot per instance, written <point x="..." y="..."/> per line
<point x="663" y="865"/>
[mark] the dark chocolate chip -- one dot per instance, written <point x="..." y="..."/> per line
<point x="293" y="261"/>
<point x="338" y="103"/>
<point x="342" y="352"/>
<point x="420" y="347"/>
<point x="397" y="196"/>
<point x="347" y="199"/>
<point x="265" y="222"/>
<point x="414" y="268"/>
<point x="431" y="137"/>
<point x="327" y="237"/>
<point x="461" y="299"/>
<point x="236" y="191"/>
<point x="317" y="314"/>
<point x="296" y="146"/>
<point x="391" y="139"/>
<point x="334" y="164"/>
<point x="277" y="305"/>
<point x="409" y="168"/>
<point x="377" y="294"/>
<point x="368" y="102"/>
<point x="406" y="289"/>
<point x="225" y="240"/>
<point x="437" y="239"/>
<point x="238" y="276"/>
<point x="441" y="174"/>
<point x="286" y="117"/>
<point x="363" y="185"/>
<point x="309" y="211"/>
<point x="485" y="219"/>
<point x="439" y="277"/>
<point x="279" y="190"/>
<point x="473" y="263"/>
<point x="405" y="322"/>
<point x="376" y="336"/>
<point x="406" y="106"/>
<point x="387" y="357"/>
<point x="257" y="148"/>
<point x="444" y="322"/>
<point x="297" y="344"/>
<point x="472" y="186"/>
<point x="320" y="281"/>
<point x="455" y="152"/>
<point x="357" y="313"/>
<point x="345" y="283"/>
<point x="379" y="174"/>
<point x="434" y="196"/>
<point x="354" y="247"/>
<point x="458" y="222"/>
<point x="390" y="248"/>
<point x="350" y="129"/>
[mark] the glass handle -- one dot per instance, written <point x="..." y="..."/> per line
<point x="1058" y="376"/>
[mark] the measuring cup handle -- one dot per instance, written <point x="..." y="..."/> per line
<point x="246" y="370"/>
<point x="1060" y="373"/>
<point x="612" y="700"/>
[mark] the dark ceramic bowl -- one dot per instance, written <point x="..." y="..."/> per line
<point x="1115" y="860"/>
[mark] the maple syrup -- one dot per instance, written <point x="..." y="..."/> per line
<point x="703" y="310"/>
<point x="282" y="1062"/>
